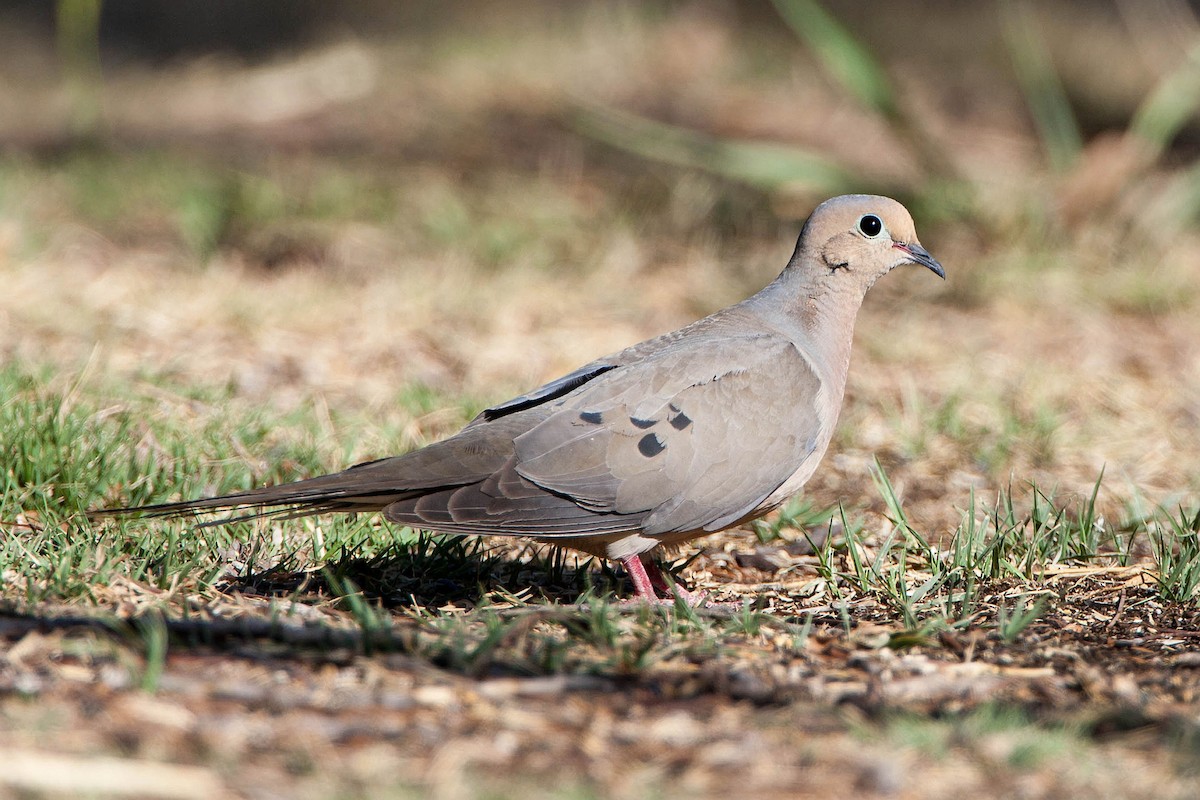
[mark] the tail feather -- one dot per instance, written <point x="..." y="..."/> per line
<point x="464" y="459"/>
<point x="341" y="492"/>
<point x="501" y="502"/>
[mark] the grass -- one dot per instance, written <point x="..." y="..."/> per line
<point x="990" y="571"/>
<point x="1175" y="542"/>
<point x="72" y="450"/>
<point x="997" y="733"/>
<point x="189" y="317"/>
<point x="1044" y="93"/>
<point x="80" y="447"/>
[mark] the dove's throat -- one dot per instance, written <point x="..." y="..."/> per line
<point x="819" y="319"/>
<point x="828" y="323"/>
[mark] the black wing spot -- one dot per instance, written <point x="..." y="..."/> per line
<point x="680" y="421"/>
<point x="592" y="417"/>
<point x="650" y="446"/>
<point x="643" y="423"/>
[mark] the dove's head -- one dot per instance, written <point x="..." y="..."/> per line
<point x="856" y="238"/>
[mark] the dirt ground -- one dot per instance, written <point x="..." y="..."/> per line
<point x="422" y="207"/>
<point x="1111" y="674"/>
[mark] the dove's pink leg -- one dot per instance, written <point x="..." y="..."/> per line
<point x="641" y="581"/>
<point x="652" y="587"/>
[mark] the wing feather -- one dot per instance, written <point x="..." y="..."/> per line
<point x="693" y="444"/>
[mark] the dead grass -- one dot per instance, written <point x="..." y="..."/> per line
<point x="230" y="291"/>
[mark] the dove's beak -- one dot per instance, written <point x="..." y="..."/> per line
<point x="919" y="255"/>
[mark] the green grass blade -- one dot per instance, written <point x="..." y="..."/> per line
<point x="846" y="59"/>
<point x="78" y="32"/>
<point x="1040" y="83"/>
<point x="1168" y="108"/>
<point x="762" y="165"/>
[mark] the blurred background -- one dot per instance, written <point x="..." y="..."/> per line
<point x="345" y="200"/>
<point x="246" y="242"/>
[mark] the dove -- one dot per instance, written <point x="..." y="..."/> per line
<point x="683" y="435"/>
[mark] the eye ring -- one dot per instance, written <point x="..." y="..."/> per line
<point x="870" y="226"/>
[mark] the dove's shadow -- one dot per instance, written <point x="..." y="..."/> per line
<point x="433" y="572"/>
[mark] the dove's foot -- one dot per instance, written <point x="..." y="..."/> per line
<point x="652" y="586"/>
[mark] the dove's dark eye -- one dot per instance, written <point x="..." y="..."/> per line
<point x="870" y="225"/>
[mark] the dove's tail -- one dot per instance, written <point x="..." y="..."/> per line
<point x="359" y="488"/>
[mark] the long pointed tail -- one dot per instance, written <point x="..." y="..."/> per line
<point x="358" y="488"/>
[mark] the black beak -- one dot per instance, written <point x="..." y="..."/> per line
<point x="919" y="255"/>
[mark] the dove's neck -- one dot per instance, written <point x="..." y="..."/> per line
<point x="818" y="315"/>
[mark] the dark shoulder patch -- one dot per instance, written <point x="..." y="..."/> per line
<point x="551" y="391"/>
<point x="650" y="446"/>
<point x="592" y="417"/>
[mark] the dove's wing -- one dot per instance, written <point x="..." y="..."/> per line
<point x="694" y="440"/>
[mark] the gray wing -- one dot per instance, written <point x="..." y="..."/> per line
<point x="694" y="440"/>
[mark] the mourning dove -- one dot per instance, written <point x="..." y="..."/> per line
<point x="680" y="436"/>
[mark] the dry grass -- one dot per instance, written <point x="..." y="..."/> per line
<point x="234" y="288"/>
